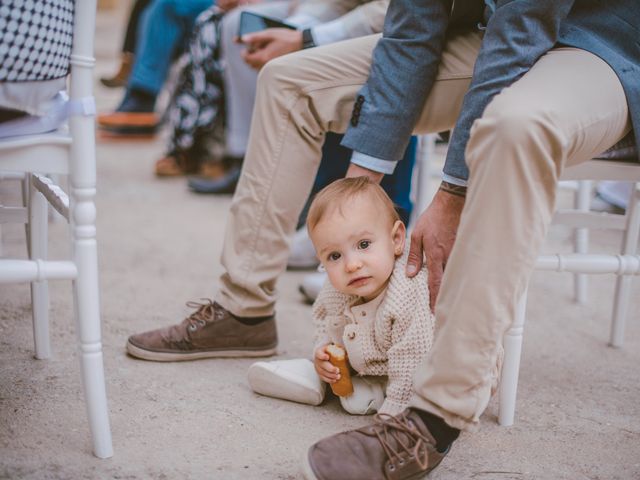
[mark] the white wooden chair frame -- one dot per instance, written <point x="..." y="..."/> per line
<point x="580" y="263"/>
<point x="71" y="154"/>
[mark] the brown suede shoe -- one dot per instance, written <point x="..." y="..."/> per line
<point x="209" y="332"/>
<point x="393" y="448"/>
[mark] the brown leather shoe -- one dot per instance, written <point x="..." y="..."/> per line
<point x="209" y="332"/>
<point x="393" y="448"/>
<point x="121" y="77"/>
<point x="176" y="165"/>
<point x="128" y="119"/>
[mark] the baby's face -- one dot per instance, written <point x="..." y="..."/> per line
<point x="358" y="246"/>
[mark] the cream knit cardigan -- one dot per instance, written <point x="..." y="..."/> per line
<point x="393" y="344"/>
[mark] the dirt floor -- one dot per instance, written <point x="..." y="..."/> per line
<point x="578" y="410"/>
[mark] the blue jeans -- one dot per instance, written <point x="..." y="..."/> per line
<point x="164" y="30"/>
<point x="334" y="164"/>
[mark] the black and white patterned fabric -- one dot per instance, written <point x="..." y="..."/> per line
<point x="35" y="39"/>
<point x="196" y="113"/>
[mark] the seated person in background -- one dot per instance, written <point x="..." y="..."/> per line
<point x="128" y="47"/>
<point x="217" y="86"/>
<point x="164" y="30"/>
<point x="369" y="305"/>
<point x="33" y="73"/>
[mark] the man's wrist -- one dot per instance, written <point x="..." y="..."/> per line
<point x="453" y="189"/>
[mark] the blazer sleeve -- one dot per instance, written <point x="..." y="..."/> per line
<point x="403" y="70"/>
<point x="518" y="33"/>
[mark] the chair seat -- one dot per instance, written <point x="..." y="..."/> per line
<point x="624" y="170"/>
<point x="42" y="153"/>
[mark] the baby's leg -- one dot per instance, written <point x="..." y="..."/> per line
<point x="367" y="396"/>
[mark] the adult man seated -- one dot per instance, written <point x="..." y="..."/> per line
<point x="554" y="84"/>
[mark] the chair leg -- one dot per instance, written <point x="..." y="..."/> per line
<point x="511" y="365"/>
<point x="87" y="311"/>
<point x="623" y="282"/>
<point x="581" y="239"/>
<point x="37" y="235"/>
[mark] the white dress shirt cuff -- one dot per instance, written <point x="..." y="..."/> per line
<point x="373" y="163"/>
<point x="330" y="32"/>
<point x="454" y="180"/>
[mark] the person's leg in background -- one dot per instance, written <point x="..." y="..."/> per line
<point x="164" y="30"/>
<point x="515" y="155"/>
<point x="239" y="94"/>
<point x="196" y="112"/>
<point x="128" y="47"/>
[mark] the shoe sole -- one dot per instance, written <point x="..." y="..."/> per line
<point x="307" y="471"/>
<point x="178" y="357"/>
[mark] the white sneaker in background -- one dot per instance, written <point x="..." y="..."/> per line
<point x="312" y="284"/>
<point x="612" y="196"/>
<point x="302" y="255"/>
<point x="367" y="396"/>
<point x="295" y="380"/>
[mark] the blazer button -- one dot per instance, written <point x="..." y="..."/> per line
<point x="351" y="335"/>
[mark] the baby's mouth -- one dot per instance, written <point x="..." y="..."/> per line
<point x="356" y="282"/>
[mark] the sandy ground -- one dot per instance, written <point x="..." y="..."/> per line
<point x="578" y="413"/>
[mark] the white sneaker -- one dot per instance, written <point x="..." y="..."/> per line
<point x="367" y="396"/>
<point x="302" y="255"/>
<point x="294" y="380"/>
<point x="312" y="284"/>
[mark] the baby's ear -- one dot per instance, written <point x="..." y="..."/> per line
<point x="398" y="235"/>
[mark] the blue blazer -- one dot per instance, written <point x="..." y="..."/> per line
<point x="518" y="33"/>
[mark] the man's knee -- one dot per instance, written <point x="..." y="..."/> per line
<point x="513" y="124"/>
<point x="278" y="75"/>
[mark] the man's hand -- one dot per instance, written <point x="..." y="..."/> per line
<point x="358" y="171"/>
<point x="269" y="44"/>
<point x="327" y="372"/>
<point x="434" y="235"/>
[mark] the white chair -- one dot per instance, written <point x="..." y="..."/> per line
<point x="623" y="265"/>
<point x="69" y="153"/>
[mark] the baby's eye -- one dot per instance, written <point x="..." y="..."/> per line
<point x="364" y="244"/>
<point x="333" y="256"/>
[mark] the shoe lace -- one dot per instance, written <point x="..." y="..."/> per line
<point x="401" y="432"/>
<point x="206" y="312"/>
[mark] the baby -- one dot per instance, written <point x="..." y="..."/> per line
<point x="369" y="306"/>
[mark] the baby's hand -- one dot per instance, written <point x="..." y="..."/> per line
<point x="328" y="373"/>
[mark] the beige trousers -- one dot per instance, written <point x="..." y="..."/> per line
<point x="569" y="107"/>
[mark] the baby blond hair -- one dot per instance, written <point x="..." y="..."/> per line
<point x="334" y="196"/>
